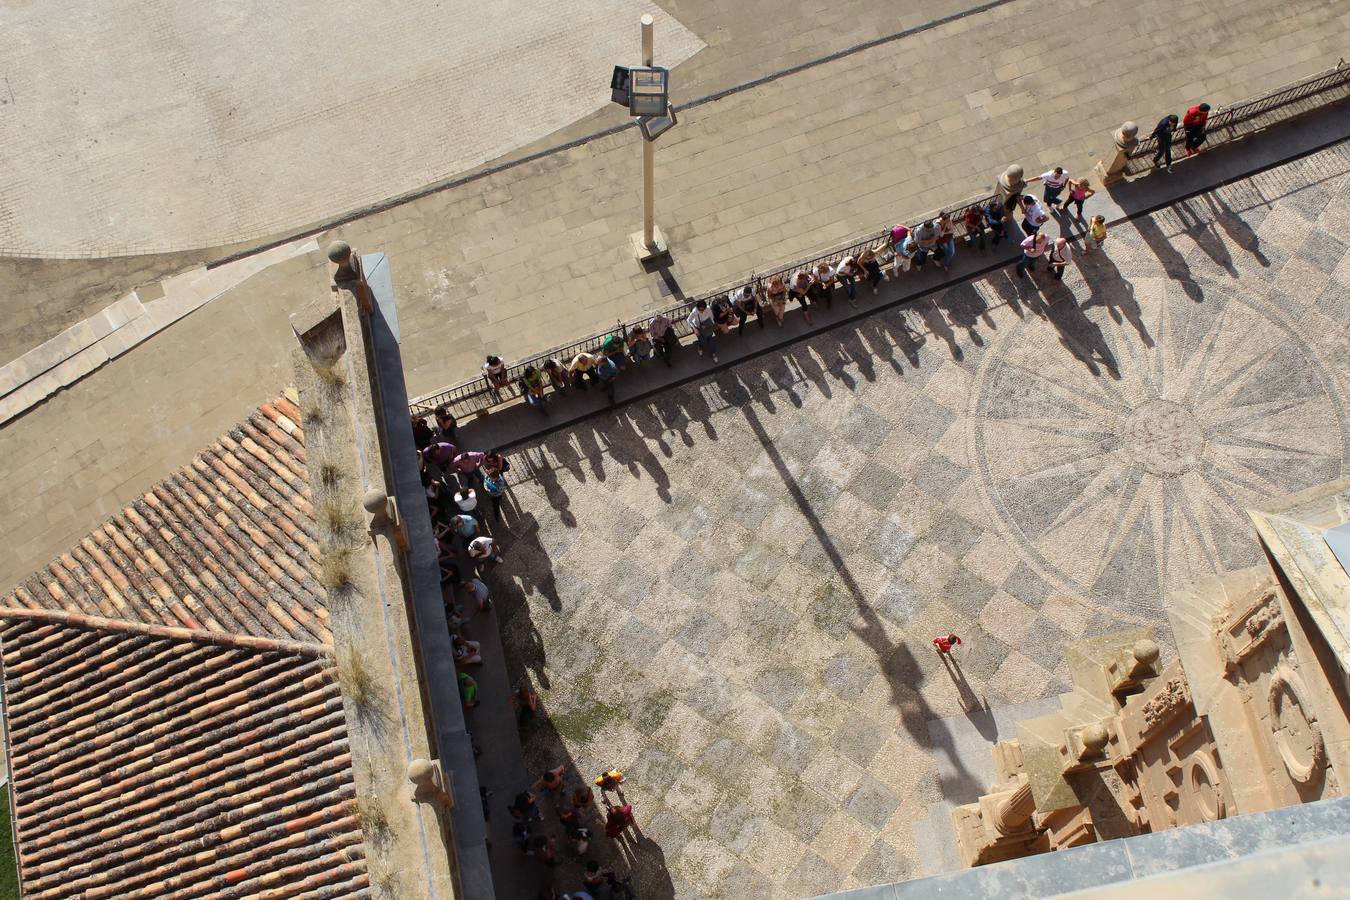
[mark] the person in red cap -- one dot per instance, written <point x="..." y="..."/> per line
<point x="1194" y="123"/>
<point x="945" y="643"/>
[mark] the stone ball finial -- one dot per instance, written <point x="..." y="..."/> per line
<point x="374" y="501"/>
<point x="1094" y="737"/>
<point x="339" y="252"/>
<point x="1145" y="651"/>
<point x="1129" y="129"/>
<point x="1014" y="172"/>
<point x="422" y="772"/>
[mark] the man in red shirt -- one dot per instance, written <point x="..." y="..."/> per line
<point x="945" y="643"/>
<point x="1194" y="123"/>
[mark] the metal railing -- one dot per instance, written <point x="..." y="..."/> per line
<point x="1242" y="119"/>
<point x="476" y="396"/>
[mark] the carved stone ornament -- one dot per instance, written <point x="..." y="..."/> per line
<point x="1166" y="703"/>
<point x="1294" y="728"/>
<point x="1205" y="785"/>
<point x="1244" y="634"/>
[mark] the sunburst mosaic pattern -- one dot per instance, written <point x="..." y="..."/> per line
<point x="729" y="592"/>
<point x="1121" y="487"/>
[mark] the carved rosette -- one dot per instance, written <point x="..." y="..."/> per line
<point x="1294" y="728"/>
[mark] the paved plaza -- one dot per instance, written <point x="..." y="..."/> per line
<point x="198" y="126"/>
<point x="729" y="591"/>
<point x="510" y="262"/>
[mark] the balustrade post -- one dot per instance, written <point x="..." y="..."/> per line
<point x="1126" y="138"/>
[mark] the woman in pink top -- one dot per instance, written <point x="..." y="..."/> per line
<point x="1033" y="248"/>
<point x="1079" y="191"/>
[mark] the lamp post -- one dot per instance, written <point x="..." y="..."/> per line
<point x="648" y="243"/>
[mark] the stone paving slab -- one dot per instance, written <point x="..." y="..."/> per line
<point x="729" y="589"/>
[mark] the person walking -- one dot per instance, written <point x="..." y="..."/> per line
<point x="1033" y="215"/>
<point x="467" y="465"/>
<point x="618" y="820"/>
<point x="945" y="643"/>
<point x="1061" y="254"/>
<point x="1079" y="192"/>
<point x="610" y="781"/>
<point x="1194" y="123"/>
<point x="1162" y="133"/>
<point x="703" y="325"/>
<point x="1055" y="181"/>
<point x="1033" y="248"/>
<point x="484" y="549"/>
<point x="663" y="334"/>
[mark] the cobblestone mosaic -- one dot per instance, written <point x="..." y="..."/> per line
<point x="730" y="592"/>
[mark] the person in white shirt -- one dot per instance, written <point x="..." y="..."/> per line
<point x="798" y="289"/>
<point x="1033" y="215"/>
<point x="822" y="285"/>
<point x="1033" y="248"/>
<point x="848" y="272"/>
<point x="703" y="325"/>
<point x="1061" y="254"/>
<point x="1054" y="182"/>
<point x="494" y="370"/>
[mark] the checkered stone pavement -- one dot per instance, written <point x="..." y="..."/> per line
<point x="730" y="591"/>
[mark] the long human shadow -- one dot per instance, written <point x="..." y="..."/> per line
<point x="1111" y="291"/>
<point x="1237" y="229"/>
<point x="1173" y="263"/>
<point x="894" y="659"/>
<point x="1078" y="334"/>
<point x="1199" y="227"/>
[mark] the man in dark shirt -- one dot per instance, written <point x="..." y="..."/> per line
<point x="1164" y="135"/>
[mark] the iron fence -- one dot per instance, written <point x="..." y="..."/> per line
<point x="1234" y="122"/>
<point x="475" y="396"/>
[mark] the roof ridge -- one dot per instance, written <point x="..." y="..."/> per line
<point x="102" y="623"/>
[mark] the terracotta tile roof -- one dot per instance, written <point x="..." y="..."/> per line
<point x="226" y="544"/>
<point x="153" y="761"/>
